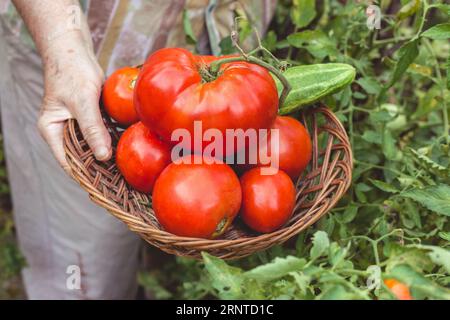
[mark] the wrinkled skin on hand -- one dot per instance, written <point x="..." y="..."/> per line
<point x="73" y="81"/>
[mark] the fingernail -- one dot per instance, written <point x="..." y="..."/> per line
<point x="102" y="153"/>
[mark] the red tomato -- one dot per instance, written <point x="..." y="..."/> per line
<point x="172" y="92"/>
<point x="196" y="200"/>
<point x="294" y="147"/>
<point x="141" y="156"/>
<point x="267" y="200"/>
<point x="118" y="93"/>
<point x="399" y="289"/>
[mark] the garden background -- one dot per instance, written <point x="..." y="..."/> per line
<point x="394" y="220"/>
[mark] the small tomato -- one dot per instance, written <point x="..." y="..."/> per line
<point x="141" y="156"/>
<point x="291" y="154"/>
<point x="267" y="200"/>
<point x="196" y="199"/>
<point x="117" y="95"/>
<point x="399" y="289"/>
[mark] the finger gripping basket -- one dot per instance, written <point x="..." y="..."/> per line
<point x="327" y="178"/>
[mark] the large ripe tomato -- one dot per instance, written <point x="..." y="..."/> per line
<point x="118" y="95"/>
<point x="172" y="92"/>
<point x="267" y="200"/>
<point x="399" y="289"/>
<point x="196" y="200"/>
<point x="294" y="147"/>
<point x="141" y="156"/>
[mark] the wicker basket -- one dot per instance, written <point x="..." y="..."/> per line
<point x="327" y="178"/>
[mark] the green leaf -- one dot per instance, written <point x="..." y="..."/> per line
<point x="302" y="281"/>
<point x="303" y="12"/>
<point x="11" y="259"/>
<point x="406" y="181"/>
<point x="398" y="123"/>
<point x="409" y="9"/>
<point x="315" y="41"/>
<point x="435" y="198"/>
<point x="438" y="32"/>
<point x="226" y="46"/>
<point x="420" y="69"/>
<point x="372" y="136"/>
<point x="392" y="109"/>
<point x="407" y="54"/>
<point x="336" y="292"/>
<point x="427" y="162"/>
<point x="370" y="85"/>
<point x="445" y="8"/>
<point x="348" y="215"/>
<point x="413" y="213"/>
<point x="148" y="281"/>
<point x="438" y="255"/>
<point x="190" y="36"/>
<point x="380" y="116"/>
<point x="270" y="41"/>
<point x="321" y="244"/>
<point x="276" y="269"/>
<point x="389" y="146"/>
<point x="331" y="280"/>
<point x="444" y="235"/>
<point x="360" y="190"/>
<point x="427" y="103"/>
<point x="359" y="95"/>
<point x="337" y="254"/>
<point x="386" y="187"/>
<point x="225" y="279"/>
<point x="412" y="256"/>
<point x="311" y="83"/>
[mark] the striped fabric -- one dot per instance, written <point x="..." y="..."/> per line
<point x="124" y="32"/>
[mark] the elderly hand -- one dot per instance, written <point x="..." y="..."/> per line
<point x="73" y="81"/>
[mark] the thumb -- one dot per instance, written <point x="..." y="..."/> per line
<point x="91" y="124"/>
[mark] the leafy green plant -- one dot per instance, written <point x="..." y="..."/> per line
<point x="394" y="220"/>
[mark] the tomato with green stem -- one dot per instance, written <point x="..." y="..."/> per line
<point x="176" y="88"/>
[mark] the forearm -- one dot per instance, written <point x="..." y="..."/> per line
<point x="55" y="23"/>
<point x="73" y="78"/>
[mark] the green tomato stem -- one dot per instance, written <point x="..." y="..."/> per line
<point x="442" y="85"/>
<point x="214" y="69"/>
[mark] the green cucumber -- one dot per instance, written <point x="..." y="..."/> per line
<point x="311" y="83"/>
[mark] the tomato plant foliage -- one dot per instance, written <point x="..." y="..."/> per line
<point x="393" y="222"/>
